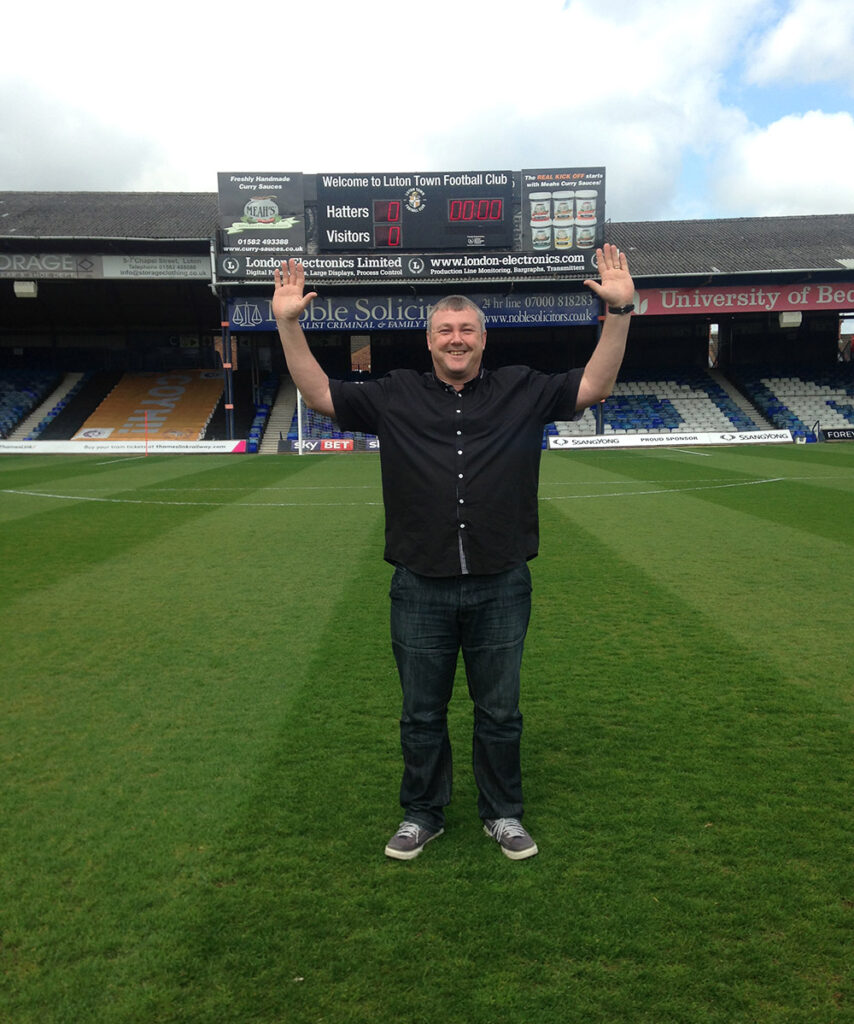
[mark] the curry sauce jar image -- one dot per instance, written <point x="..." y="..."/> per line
<point x="541" y="235"/>
<point x="541" y="207"/>
<point x="563" y="208"/>
<point x="585" y="206"/>
<point x="563" y="236"/>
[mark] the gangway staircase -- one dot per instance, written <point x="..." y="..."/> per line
<point x="743" y="403"/>
<point x="67" y="384"/>
<point x="281" y="417"/>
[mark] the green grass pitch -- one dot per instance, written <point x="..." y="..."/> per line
<point x="200" y="755"/>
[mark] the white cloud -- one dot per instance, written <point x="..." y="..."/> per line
<point x="636" y="85"/>
<point x="632" y="86"/>
<point x="48" y="144"/>
<point x="799" y="164"/>
<point x="812" y="43"/>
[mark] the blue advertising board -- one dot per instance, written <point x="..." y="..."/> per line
<point x="406" y="313"/>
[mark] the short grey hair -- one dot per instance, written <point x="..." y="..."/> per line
<point x="456" y="303"/>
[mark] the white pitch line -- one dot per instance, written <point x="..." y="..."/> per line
<point x="668" y="490"/>
<point x="191" y="504"/>
<point x="338" y="504"/>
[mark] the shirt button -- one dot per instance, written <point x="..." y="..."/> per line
<point x="460" y="475"/>
<point x="459" y="432"/>
<point x="462" y="526"/>
<point x="462" y="501"/>
<point x="459" y="451"/>
<point x="459" y="410"/>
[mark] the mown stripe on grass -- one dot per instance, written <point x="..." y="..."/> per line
<point x="763" y="572"/>
<point x="97" y="514"/>
<point x="704" y="796"/>
<point x="141" y="691"/>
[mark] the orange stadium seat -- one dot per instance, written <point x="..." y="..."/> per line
<point x="169" y="406"/>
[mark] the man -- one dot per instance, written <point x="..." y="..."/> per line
<point x="460" y="453"/>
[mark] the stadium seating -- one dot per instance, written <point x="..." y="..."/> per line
<point x="799" y="400"/>
<point x="268" y="388"/>
<point x="179" y="406"/>
<point x="72" y="385"/>
<point x="20" y="392"/>
<point x="676" y="401"/>
<point x="688" y="401"/>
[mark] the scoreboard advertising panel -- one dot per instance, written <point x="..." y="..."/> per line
<point x="480" y="225"/>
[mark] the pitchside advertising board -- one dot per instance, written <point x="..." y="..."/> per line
<point x="402" y="226"/>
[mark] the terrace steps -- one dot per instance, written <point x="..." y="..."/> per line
<point x="280" y="418"/>
<point x="68" y="382"/>
<point x="741" y="400"/>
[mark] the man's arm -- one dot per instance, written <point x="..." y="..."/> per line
<point x="288" y="305"/>
<point x="616" y="288"/>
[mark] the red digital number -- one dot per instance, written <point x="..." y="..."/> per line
<point x="387" y="236"/>
<point x="386" y="211"/>
<point x="475" y="210"/>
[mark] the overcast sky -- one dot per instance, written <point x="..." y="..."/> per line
<point x="697" y="108"/>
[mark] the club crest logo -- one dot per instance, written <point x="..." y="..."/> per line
<point x="415" y="201"/>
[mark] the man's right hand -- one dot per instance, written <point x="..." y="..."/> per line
<point x="289" y="303"/>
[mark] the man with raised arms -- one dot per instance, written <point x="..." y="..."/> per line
<point x="460" y="450"/>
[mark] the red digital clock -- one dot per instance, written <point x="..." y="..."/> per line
<point x="475" y="211"/>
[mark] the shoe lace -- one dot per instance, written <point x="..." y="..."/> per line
<point x="409" y="829"/>
<point x="508" y="828"/>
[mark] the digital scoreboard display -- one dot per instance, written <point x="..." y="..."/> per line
<point x="415" y="212"/>
<point x="440" y="225"/>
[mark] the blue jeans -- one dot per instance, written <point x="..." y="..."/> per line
<point x="431" y="621"/>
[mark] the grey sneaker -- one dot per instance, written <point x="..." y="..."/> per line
<point x="409" y="840"/>
<point x="514" y="840"/>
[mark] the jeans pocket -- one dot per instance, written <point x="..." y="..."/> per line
<point x="399" y="579"/>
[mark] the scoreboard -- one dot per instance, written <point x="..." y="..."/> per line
<point x="434" y="225"/>
<point x="415" y="212"/>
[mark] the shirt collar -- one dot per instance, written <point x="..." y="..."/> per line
<point x="469" y="385"/>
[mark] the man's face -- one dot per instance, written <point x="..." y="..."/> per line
<point x="456" y="343"/>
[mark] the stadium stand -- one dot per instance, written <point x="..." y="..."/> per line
<point x="263" y="408"/>
<point x="177" y="405"/>
<point x="804" y="398"/>
<point x="280" y="416"/>
<point x="40" y="419"/>
<point x="22" y="391"/>
<point x="60" y="421"/>
<point x="689" y="400"/>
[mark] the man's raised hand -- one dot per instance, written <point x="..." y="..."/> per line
<point x="615" y="286"/>
<point x="289" y="303"/>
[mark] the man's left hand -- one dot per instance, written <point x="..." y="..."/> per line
<point x="615" y="286"/>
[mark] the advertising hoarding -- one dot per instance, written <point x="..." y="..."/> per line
<point x="260" y="215"/>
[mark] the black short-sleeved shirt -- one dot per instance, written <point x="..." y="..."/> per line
<point x="460" y="469"/>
